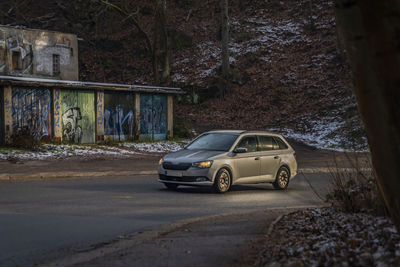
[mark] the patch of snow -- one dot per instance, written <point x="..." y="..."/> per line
<point x="158" y="147"/>
<point x="317" y="134"/>
<point x="178" y="78"/>
<point x="49" y="151"/>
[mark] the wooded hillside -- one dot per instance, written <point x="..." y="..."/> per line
<point x="288" y="70"/>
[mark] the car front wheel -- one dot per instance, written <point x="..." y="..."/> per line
<point x="222" y="181"/>
<point x="282" y="179"/>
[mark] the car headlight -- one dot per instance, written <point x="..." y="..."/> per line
<point x="161" y="161"/>
<point x="202" y="164"/>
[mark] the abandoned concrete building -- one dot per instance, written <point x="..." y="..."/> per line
<point x="40" y="93"/>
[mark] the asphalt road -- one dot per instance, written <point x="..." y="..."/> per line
<point x="42" y="220"/>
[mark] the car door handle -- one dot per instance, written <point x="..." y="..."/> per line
<point x="276" y="157"/>
<point x="257" y="158"/>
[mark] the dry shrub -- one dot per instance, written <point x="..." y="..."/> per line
<point x="355" y="189"/>
<point x="23" y="138"/>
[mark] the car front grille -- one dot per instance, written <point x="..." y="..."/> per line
<point x="178" y="167"/>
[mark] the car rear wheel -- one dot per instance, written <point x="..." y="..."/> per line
<point x="282" y="179"/>
<point x="222" y="181"/>
<point x="171" y="186"/>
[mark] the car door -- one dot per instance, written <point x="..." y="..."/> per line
<point x="247" y="165"/>
<point x="269" y="157"/>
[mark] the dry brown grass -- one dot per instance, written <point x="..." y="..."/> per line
<point x="355" y="189"/>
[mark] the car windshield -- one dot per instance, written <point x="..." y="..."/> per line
<point x="214" y="141"/>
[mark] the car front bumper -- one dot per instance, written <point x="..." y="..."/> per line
<point x="192" y="176"/>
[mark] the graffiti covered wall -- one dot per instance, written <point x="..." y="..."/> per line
<point x="119" y="115"/>
<point x="1" y="117"/>
<point x="77" y="111"/>
<point x="36" y="53"/>
<point x="153" y="117"/>
<point x="31" y="111"/>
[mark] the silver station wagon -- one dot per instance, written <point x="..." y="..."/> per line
<point x="230" y="157"/>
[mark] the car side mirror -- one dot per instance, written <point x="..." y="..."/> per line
<point x="240" y="150"/>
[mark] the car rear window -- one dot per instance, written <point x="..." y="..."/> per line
<point x="267" y="143"/>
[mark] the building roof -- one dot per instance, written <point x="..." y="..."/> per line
<point x="40" y="82"/>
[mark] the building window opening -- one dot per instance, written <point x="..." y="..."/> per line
<point x="16" y="60"/>
<point x="56" y="64"/>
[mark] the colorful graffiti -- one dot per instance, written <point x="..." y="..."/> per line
<point x="153" y="116"/>
<point x="115" y="120"/>
<point x="78" y="116"/>
<point x="100" y="107"/>
<point x="1" y="117"/>
<point x="119" y="115"/>
<point x="30" y="109"/>
<point x="57" y="113"/>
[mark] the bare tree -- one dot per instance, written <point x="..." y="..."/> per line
<point x="370" y="30"/>
<point x="159" y="46"/>
<point x="225" y="37"/>
<point x="161" y="41"/>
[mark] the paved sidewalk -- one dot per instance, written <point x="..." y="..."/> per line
<point x="223" y="240"/>
<point x="79" y="167"/>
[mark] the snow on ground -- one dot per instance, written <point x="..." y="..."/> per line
<point x="158" y="147"/>
<point x="323" y="133"/>
<point x="326" y="237"/>
<point x="267" y="34"/>
<point x="50" y="151"/>
<point x="316" y="133"/>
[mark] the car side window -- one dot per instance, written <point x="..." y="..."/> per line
<point x="249" y="142"/>
<point x="267" y="143"/>
<point x="281" y="144"/>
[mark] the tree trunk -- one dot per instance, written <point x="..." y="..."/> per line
<point x="161" y="42"/>
<point x="371" y="33"/>
<point x="225" y="38"/>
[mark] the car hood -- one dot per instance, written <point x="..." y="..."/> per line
<point x="186" y="155"/>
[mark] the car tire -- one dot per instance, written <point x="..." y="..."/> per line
<point x="171" y="186"/>
<point x="282" y="178"/>
<point x="223" y="181"/>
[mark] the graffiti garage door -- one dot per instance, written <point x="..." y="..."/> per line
<point x="1" y="118"/>
<point x="78" y="116"/>
<point x="119" y="115"/>
<point x="153" y="117"/>
<point x="30" y="111"/>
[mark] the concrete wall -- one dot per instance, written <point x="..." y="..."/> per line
<point x="37" y="53"/>
<point x="84" y="116"/>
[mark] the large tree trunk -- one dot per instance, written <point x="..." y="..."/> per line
<point x="161" y="43"/>
<point x="371" y="30"/>
<point x="225" y="37"/>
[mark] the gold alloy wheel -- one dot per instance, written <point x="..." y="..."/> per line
<point x="224" y="180"/>
<point x="283" y="178"/>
